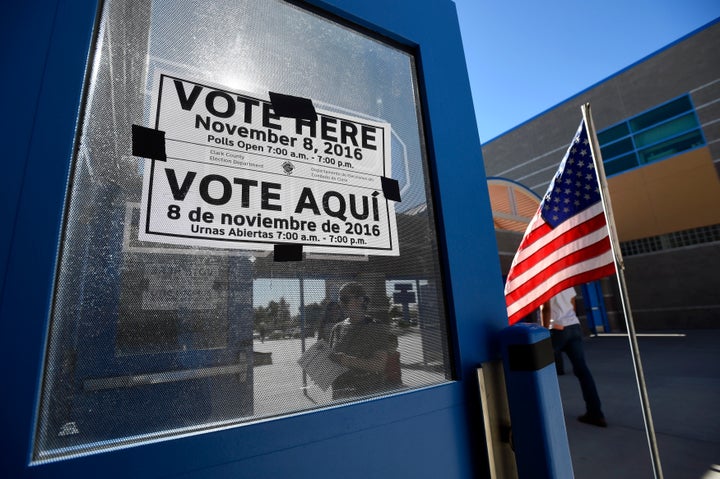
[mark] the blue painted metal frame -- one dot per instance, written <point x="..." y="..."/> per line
<point x="538" y="425"/>
<point x="595" y="307"/>
<point x="433" y="432"/>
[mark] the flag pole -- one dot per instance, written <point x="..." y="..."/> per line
<point x="620" y="267"/>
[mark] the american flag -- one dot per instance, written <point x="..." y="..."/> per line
<point x="566" y="242"/>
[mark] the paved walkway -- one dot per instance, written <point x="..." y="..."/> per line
<point x="683" y="379"/>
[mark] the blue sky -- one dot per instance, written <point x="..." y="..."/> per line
<point x="525" y="56"/>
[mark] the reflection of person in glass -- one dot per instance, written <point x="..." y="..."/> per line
<point x="361" y="344"/>
<point x="333" y="315"/>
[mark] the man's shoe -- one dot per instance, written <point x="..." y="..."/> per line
<point x="595" y="421"/>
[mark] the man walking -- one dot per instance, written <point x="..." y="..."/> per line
<point x="558" y="315"/>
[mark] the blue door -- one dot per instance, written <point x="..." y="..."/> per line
<point x="208" y="207"/>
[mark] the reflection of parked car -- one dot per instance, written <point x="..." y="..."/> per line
<point x="293" y="332"/>
<point x="276" y="334"/>
<point x="296" y="332"/>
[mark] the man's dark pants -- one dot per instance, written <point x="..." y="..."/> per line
<point x="569" y="340"/>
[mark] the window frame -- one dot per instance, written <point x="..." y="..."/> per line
<point x="633" y="136"/>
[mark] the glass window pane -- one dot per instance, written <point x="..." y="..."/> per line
<point x="159" y="334"/>
<point x="671" y="147"/>
<point x="661" y="113"/>
<point x="617" y="149"/>
<point x="614" y="133"/>
<point x="666" y="130"/>
<point x="618" y="165"/>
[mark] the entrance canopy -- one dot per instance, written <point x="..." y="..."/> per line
<point x="513" y="204"/>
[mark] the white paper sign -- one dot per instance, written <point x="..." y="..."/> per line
<point x="317" y="364"/>
<point x="238" y="175"/>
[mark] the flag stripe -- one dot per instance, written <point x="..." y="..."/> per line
<point x="585" y="277"/>
<point x="589" y="232"/>
<point x="597" y="252"/>
<point x="538" y="296"/>
<point x="532" y="289"/>
<point x="567" y="241"/>
<point x="539" y="233"/>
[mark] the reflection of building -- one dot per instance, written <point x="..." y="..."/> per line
<point x="658" y="124"/>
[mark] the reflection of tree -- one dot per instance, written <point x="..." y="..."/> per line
<point x="282" y="316"/>
<point x="276" y="315"/>
<point x="397" y="316"/>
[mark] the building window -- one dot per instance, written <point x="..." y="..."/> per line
<point x="655" y="135"/>
<point x="677" y="239"/>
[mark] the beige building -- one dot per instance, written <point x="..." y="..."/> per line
<point x="658" y="124"/>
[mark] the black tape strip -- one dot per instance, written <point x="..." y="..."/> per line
<point x="530" y="357"/>
<point x="391" y="188"/>
<point x="148" y="143"/>
<point x="293" y="106"/>
<point x="288" y="252"/>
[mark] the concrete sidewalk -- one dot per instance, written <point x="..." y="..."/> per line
<point x="683" y="379"/>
